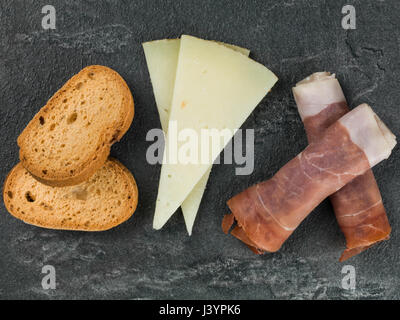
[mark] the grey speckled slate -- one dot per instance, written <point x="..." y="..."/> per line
<point x="292" y="38"/>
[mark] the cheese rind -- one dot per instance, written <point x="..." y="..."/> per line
<point x="162" y="60"/>
<point x="219" y="88"/>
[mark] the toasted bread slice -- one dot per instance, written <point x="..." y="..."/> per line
<point x="69" y="139"/>
<point x="106" y="200"/>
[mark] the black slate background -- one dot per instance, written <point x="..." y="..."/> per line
<point x="292" y="38"/>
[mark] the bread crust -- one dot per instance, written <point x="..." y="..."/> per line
<point x="34" y="213"/>
<point x="107" y="137"/>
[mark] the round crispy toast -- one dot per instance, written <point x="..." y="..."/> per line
<point x="105" y="200"/>
<point x="70" y="138"/>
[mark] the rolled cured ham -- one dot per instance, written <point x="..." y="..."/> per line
<point x="269" y="212"/>
<point x="358" y="205"/>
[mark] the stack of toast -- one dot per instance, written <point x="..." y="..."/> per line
<point x="65" y="179"/>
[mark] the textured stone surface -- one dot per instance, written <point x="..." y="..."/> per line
<point x="292" y="38"/>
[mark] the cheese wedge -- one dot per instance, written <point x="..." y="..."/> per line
<point x="218" y="88"/>
<point x="162" y="61"/>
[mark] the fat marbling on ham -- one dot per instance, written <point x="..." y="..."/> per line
<point x="269" y="212"/>
<point x="358" y="206"/>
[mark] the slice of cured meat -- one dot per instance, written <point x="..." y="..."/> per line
<point x="270" y="211"/>
<point x="358" y="206"/>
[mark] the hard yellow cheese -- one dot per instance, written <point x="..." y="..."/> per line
<point x="219" y="89"/>
<point x="162" y="60"/>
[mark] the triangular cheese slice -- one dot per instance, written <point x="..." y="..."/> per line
<point x="215" y="88"/>
<point x="162" y="61"/>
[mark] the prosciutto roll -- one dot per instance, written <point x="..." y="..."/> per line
<point x="269" y="212"/>
<point x="358" y="205"/>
